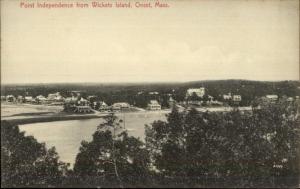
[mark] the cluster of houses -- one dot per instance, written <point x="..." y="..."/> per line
<point x="76" y="103"/>
<point x="236" y="99"/>
<point x="121" y="106"/>
<point x="271" y="99"/>
<point x="52" y="99"/>
<point x="198" y="96"/>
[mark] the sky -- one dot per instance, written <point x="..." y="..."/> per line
<point x="188" y="41"/>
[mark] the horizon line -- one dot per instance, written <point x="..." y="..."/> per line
<point x="144" y="82"/>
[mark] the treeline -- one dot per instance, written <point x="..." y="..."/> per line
<point x="111" y="93"/>
<point x="191" y="149"/>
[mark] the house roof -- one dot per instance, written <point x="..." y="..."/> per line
<point x="122" y="104"/>
<point x="155" y="92"/>
<point x="272" y="96"/>
<point x="83" y="100"/>
<point x="154" y="102"/>
<point x="103" y="103"/>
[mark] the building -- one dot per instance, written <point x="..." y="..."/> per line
<point x="215" y="102"/>
<point x="20" y="99"/>
<point x="265" y="100"/>
<point x="194" y="102"/>
<point x="10" y="98"/>
<point x="83" y="102"/>
<point x="154" y="93"/>
<point x="103" y="106"/>
<point x="120" y="105"/>
<point x="272" y="98"/>
<point x="83" y="109"/>
<point x="210" y="98"/>
<point x="72" y="99"/>
<point x="41" y="98"/>
<point x="154" y="105"/>
<point x="75" y="105"/>
<point x="227" y="96"/>
<point x="200" y="92"/>
<point x="29" y="99"/>
<point x="55" y="97"/>
<point x="237" y="98"/>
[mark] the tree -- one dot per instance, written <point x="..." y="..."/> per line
<point x="27" y="163"/>
<point x="167" y="146"/>
<point x="112" y="158"/>
<point x="194" y="97"/>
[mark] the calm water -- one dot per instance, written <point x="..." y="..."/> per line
<point x="66" y="136"/>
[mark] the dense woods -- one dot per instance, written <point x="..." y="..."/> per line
<point x="255" y="149"/>
<point x="260" y="148"/>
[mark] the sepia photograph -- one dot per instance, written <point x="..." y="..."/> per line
<point x="150" y="94"/>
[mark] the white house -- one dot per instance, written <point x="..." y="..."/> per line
<point x="41" y="98"/>
<point x="198" y="91"/>
<point x="154" y="93"/>
<point x="55" y="97"/>
<point x="10" y="98"/>
<point x="154" y="105"/>
<point x="237" y="98"/>
<point x="83" y="102"/>
<point x="120" y="105"/>
<point x="29" y="99"/>
<point x="83" y="109"/>
<point x="227" y="96"/>
<point x="272" y="98"/>
<point x="103" y="106"/>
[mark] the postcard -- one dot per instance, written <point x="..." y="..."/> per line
<point x="150" y="93"/>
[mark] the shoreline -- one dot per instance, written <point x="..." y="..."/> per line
<point x="38" y="113"/>
<point x="24" y="121"/>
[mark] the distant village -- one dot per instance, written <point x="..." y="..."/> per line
<point x="194" y="97"/>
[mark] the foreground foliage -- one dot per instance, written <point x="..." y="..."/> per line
<point x="25" y="162"/>
<point x="246" y="149"/>
<point x="260" y="148"/>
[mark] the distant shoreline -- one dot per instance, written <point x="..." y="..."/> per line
<point x="65" y="117"/>
<point x="23" y="121"/>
